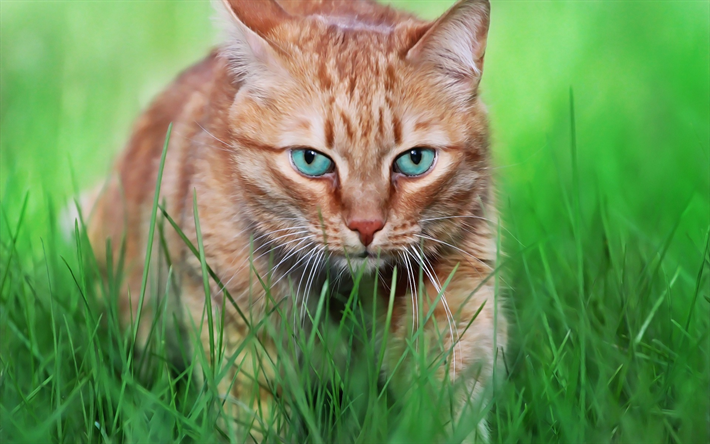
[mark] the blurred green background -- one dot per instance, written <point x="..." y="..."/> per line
<point x="75" y="74"/>
<point x="594" y="240"/>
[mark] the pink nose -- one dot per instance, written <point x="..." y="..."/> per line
<point x="366" y="229"/>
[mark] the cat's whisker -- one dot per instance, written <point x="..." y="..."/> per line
<point x="434" y="279"/>
<point x="383" y="281"/>
<point x="252" y="259"/>
<point x="307" y="293"/>
<point x="424" y="269"/>
<point x="409" y="284"/>
<point x="455" y="248"/>
<point x="492" y="222"/>
<point x="310" y="274"/>
<point x="297" y="296"/>
<point x="293" y="218"/>
<point x="302" y="230"/>
<point x="193" y="140"/>
<point x="212" y="135"/>
<point x="456" y="217"/>
<point x="272" y="243"/>
<point x="316" y="270"/>
<point x="413" y="290"/>
<point x="285" y="259"/>
<point x="339" y="277"/>
<point x="295" y="250"/>
<point x="470" y="229"/>
<point x="311" y="255"/>
<point x="265" y="232"/>
<point x="261" y="236"/>
<point x="293" y="266"/>
<point x="280" y="230"/>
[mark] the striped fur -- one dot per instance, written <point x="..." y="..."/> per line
<point x="361" y="83"/>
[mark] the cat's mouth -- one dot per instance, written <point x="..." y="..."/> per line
<point x="370" y="260"/>
<point x="366" y="254"/>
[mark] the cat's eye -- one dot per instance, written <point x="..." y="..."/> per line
<point x="415" y="162"/>
<point x="311" y="162"/>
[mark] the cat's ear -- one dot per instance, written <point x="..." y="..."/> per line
<point x="456" y="43"/>
<point x="250" y="51"/>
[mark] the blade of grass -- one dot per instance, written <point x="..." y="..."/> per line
<point x="13" y="241"/>
<point x="149" y="248"/>
<point x="205" y="279"/>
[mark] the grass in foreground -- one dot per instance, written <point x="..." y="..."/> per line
<point x="606" y="269"/>
<point x="325" y="387"/>
<point x="609" y="344"/>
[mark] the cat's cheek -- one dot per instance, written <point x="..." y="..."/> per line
<point x="312" y="197"/>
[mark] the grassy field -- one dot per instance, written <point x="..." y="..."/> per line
<point x="601" y="120"/>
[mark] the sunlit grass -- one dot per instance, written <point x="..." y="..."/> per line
<point x="103" y="382"/>
<point x="604" y="276"/>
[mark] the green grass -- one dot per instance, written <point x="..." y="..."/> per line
<point x="605" y="203"/>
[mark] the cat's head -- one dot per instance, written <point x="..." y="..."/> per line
<point x="358" y="134"/>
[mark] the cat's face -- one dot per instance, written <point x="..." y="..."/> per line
<point x="352" y="142"/>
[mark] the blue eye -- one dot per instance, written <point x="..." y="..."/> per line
<point x="311" y="163"/>
<point x="415" y="162"/>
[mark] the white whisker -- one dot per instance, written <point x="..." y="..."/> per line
<point x="295" y="251"/>
<point x="492" y="222"/>
<point x="454" y="247"/>
<point x="428" y="269"/>
<point x="310" y="255"/>
<point x="238" y="253"/>
<point x="382" y="280"/>
<point x="340" y="276"/>
<point x="285" y="259"/>
<point x="272" y="243"/>
<point x="455" y="217"/>
<point x="212" y="135"/>
<point x="293" y="266"/>
<point x="252" y="259"/>
<point x="309" y="282"/>
<point x="413" y="291"/>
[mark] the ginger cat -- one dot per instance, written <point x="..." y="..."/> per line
<point x="330" y="134"/>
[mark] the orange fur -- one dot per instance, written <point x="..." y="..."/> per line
<point x="361" y="83"/>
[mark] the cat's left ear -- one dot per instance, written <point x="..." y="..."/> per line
<point x="251" y="50"/>
<point x="455" y="44"/>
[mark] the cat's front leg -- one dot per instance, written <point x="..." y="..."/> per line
<point x="240" y="357"/>
<point x="477" y="352"/>
<point x="467" y="326"/>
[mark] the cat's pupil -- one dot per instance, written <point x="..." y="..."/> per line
<point x="309" y="156"/>
<point x="416" y="156"/>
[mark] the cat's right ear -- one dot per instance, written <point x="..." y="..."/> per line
<point x="251" y="50"/>
<point x="455" y="44"/>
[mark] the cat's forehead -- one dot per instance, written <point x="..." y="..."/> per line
<point x="340" y="51"/>
<point x="351" y="23"/>
<point x="364" y="100"/>
<point x="365" y="123"/>
<point x="353" y="74"/>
